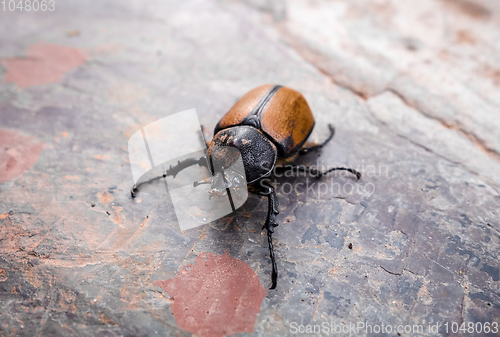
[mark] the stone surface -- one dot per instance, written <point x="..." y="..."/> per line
<point x="412" y="88"/>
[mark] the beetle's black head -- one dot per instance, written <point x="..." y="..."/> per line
<point x="256" y="152"/>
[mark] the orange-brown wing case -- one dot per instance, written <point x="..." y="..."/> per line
<point x="279" y="112"/>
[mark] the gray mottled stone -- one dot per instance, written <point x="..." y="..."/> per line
<point x="412" y="89"/>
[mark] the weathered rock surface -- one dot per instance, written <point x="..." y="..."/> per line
<point x="412" y="88"/>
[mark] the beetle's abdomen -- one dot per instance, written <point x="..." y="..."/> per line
<point x="257" y="151"/>
<point x="279" y="112"/>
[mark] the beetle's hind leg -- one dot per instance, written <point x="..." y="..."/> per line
<point x="319" y="174"/>
<point x="318" y="146"/>
<point x="267" y="190"/>
<point x="315" y="172"/>
<point x="172" y="171"/>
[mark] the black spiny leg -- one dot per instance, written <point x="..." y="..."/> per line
<point x="267" y="190"/>
<point x="316" y="173"/>
<point x="172" y="171"/>
<point x="319" y="146"/>
<point x="313" y="171"/>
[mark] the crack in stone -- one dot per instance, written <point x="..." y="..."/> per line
<point x="390" y="272"/>
<point x="408" y="270"/>
<point x="412" y="240"/>
<point x="404" y="234"/>
<point x="474" y="139"/>
<point x="462" y="306"/>
<point x="463" y="167"/>
<point x="309" y="56"/>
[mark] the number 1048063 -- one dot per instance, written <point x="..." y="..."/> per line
<point x="28" y="5"/>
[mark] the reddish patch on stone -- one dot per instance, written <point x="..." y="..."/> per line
<point x="217" y="295"/>
<point x="17" y="153"/>
<point x="44" y="63"/>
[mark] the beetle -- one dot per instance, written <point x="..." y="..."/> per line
<point x="269" y="125"/>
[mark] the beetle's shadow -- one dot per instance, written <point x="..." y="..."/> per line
<point x="239" y="232"/>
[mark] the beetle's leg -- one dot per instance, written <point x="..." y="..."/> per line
<point x="353" y="171"/>
<point x="172" y="171"/>
<point x="268" y="191"/>
<point x="316" y="173"/>
<point x="318" y="146"/>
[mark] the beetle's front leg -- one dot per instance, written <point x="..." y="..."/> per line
<point x="172" y="171"/>
<point x="267" y="190"/>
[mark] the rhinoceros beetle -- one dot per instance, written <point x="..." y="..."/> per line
<point x="267" y="125"/>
